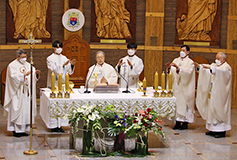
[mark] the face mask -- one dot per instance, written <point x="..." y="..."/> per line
<point x="23" y="60"/>
<point x="131" y="52"/>
<point x="59" y="50"/>
<point x="218" y="62"/>
<point x="182" y="54"/>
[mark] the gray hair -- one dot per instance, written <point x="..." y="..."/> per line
<point x="223" y="55"/>
<point x="98" y="52"/>
<point x="19" y="52"/>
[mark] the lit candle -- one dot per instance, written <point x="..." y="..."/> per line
<point x="60" y="82"/>
<point x="156" y="82"/>
<point x="52" y="82"/>
<point x="67" y="82"/>
<point x="163" y="81"/>
<point x="170" y="81"/>
<point x="144" y="84"/>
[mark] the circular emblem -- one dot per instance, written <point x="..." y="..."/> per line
<point x="73" y="20"/>
<point x="23" y="69"/>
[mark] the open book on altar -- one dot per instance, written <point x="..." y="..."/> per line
<point x="106" y="88"/>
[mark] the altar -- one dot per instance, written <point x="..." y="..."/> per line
<point x="130" y="102"/>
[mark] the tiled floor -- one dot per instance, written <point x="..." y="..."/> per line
<point x="190" y="144"/>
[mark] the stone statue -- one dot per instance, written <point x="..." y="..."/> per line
<point x="29" y="16"/>
<point x="199" y="20"/>
<point x="111" y="19"/>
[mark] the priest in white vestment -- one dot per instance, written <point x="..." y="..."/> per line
<point x="130" y="67"/>
<point x="18" y="94"/>
<point x="183" y="76"/>
<point x="214" y="95"/>
<point x="58" y="63"/>
<point x="106" y="73"/>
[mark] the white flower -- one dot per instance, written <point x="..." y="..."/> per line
<point x="86" y="112"/>
<point x="80" y="110"/>
<point x="92" y="117"/>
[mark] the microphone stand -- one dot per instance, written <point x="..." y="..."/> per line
<point x="86" y="91"/>
<point x="126" y="91"/>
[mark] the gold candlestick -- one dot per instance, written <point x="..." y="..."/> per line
<point x="52" y="94"/>
<point x="163" y="85"/>
<point x="170" y="93"/>
<point x="60" y="94"/>
<point x="67" y="94"/>
<point x="156" y="94"/>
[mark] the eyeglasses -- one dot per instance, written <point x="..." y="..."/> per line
<point x="100" y="57"/>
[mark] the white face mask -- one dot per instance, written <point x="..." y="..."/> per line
<point x="131" y="52"/>
<point x="59" y="50"/>
<point x="23" y="60"/>
<point x="182" y="54"/>
<point x="218" y="62"/>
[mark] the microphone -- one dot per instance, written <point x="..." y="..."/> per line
<point x="126" y="91"/>
<point x="86" y="91"/>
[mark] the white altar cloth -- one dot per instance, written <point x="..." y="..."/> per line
<point x="132" y="102"/>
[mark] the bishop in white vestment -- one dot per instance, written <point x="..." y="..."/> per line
<point x="183" y="75"/>
<point x="214" y="95"/>
<point x="106" y="73"/>
<point x="58" y="63"/>
<point x="18" y="93"/>
<point x="130" y="67"/>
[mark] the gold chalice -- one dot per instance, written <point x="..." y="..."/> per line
<point x="71" y="85"/>
<point x="96" y="75"/>
<point x="140" y="83"/>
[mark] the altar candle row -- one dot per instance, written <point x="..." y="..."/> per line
<point x="162" y="81"/>
<point x="59" y="82"/>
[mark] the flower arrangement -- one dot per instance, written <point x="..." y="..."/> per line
<point x="145" y="121"/>
<point x="117" y="122"/>
<point x="90" y="114"/>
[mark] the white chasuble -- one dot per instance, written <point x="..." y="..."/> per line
<point x="105" y="70"/>
<point x="17" y="94"/>
<point x="130" y="74"/>
<point x="214" y="96"/>
<point x="55" y="64"/>
<point x="184" y="87"/>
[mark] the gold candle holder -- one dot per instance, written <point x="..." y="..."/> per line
<point x="71" y="85"/>
<point x="96" y="75"/>
<point x="60" y="95"/>
<point x="163" y="94"/>
<point x="52" y="95"/>
<point x="170" y="93"/>
<point x="140" y="86"/>
<point x="156" y="94"/>
<point x="67" y="94"/>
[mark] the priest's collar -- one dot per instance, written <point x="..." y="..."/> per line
<point x="183" y="59"/>
<point x="101" y="65"/>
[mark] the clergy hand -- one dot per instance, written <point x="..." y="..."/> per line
<point x="168" y="65"/>
<point x="129" y="63"/>
<point x="196" y="64"/>
<point x="206" y="66"/>
<point x="66" y="63"/>
<point x="103" y="80"/>
<point x="73" y="62"/>
<point x="120" y="63"/>
<point x="174" y="65"/>
<point x="27" y="73"/>
<point x="37" y="71"/>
